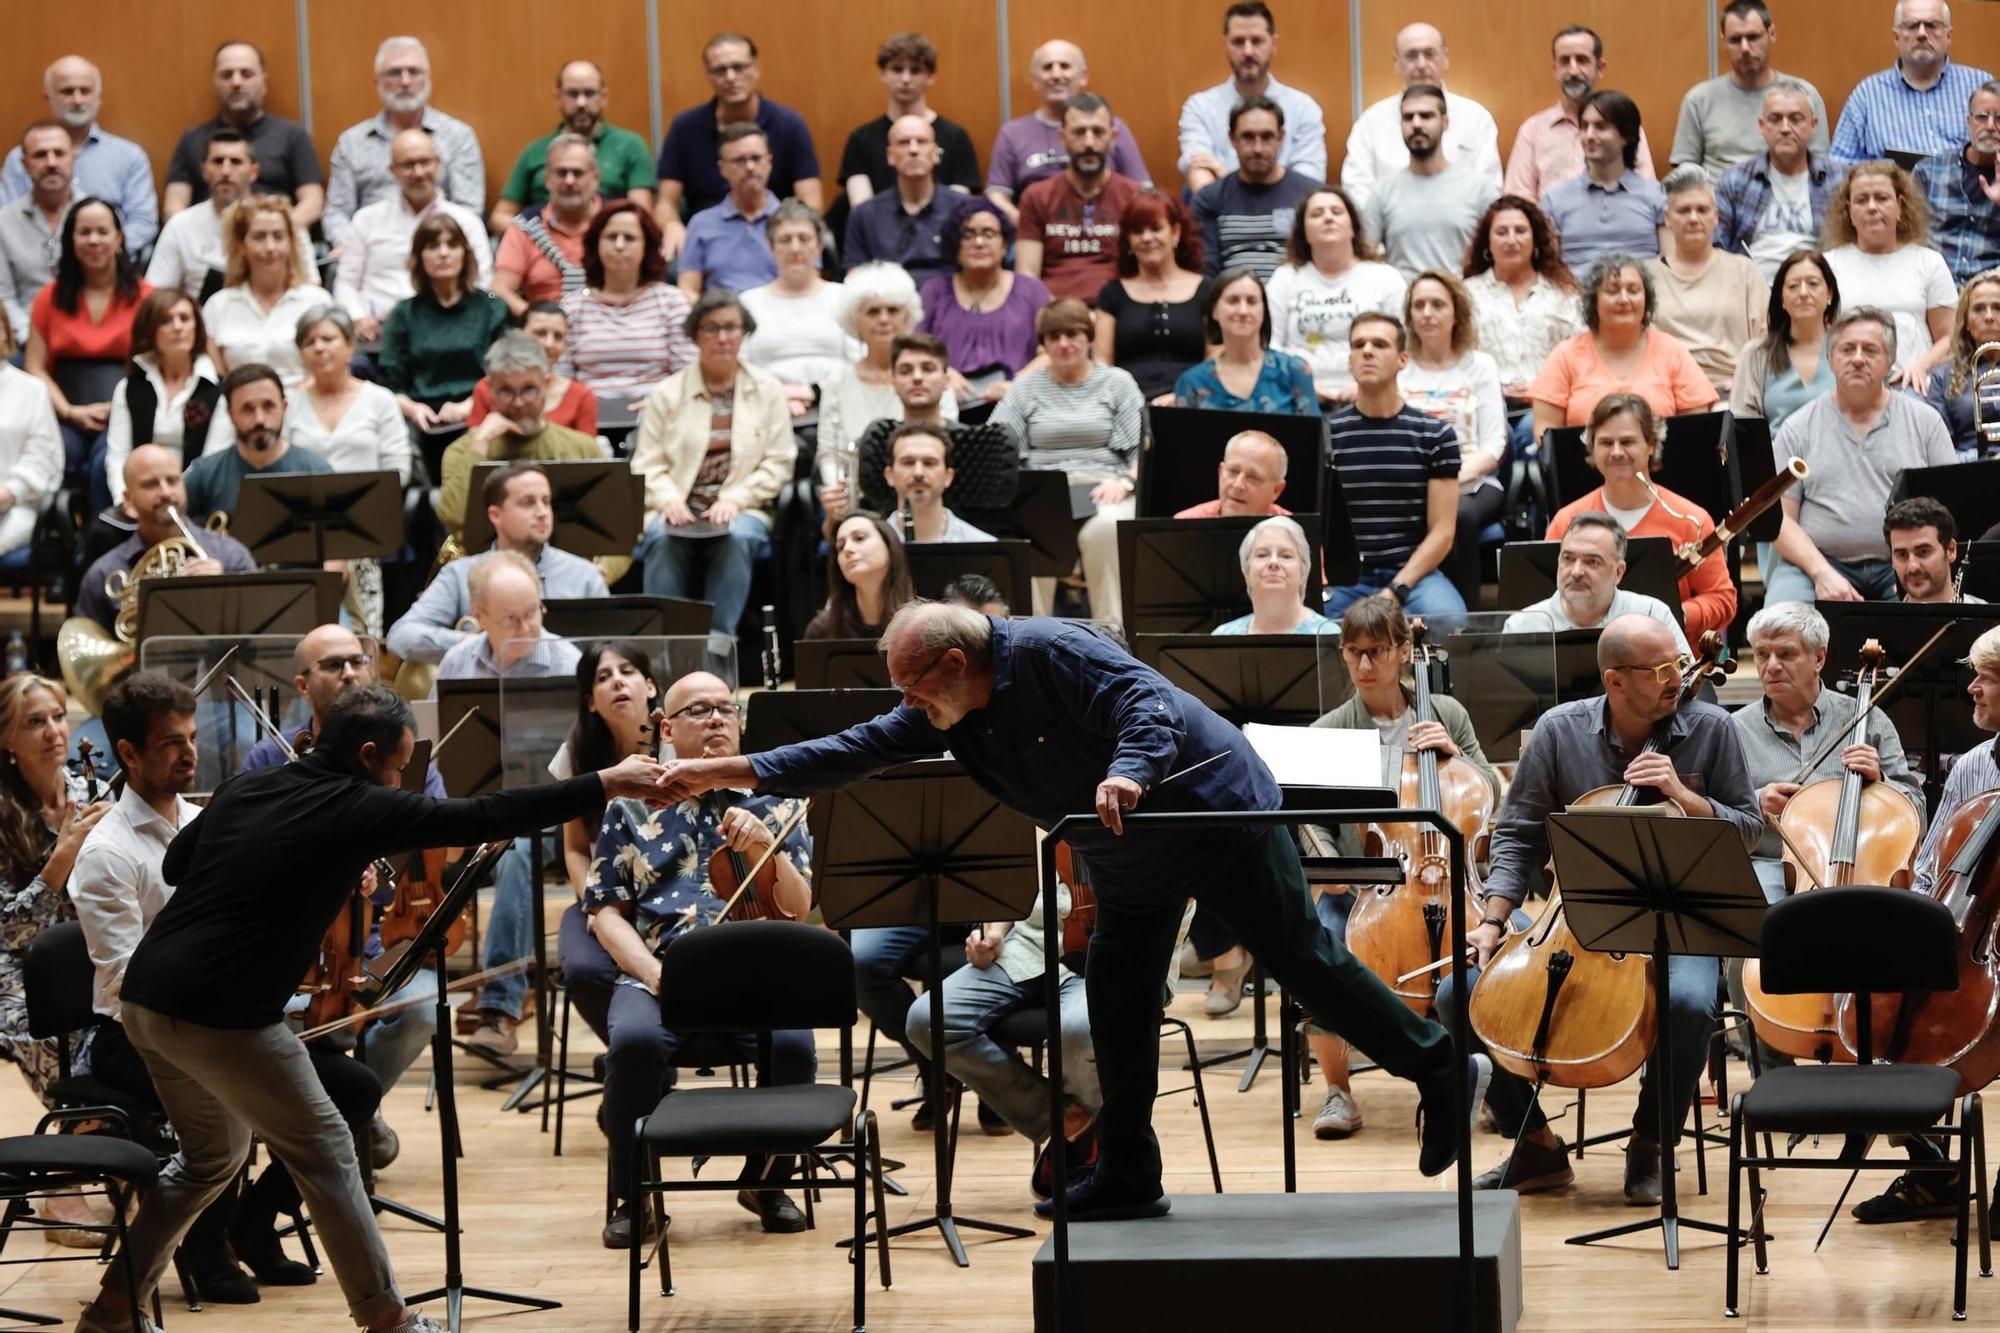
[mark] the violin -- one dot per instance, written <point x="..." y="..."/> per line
<point x="86" y="759"/>
<point x="1075" y="876"/>
<point x="1555" y="1012"/>
<point x="1837" y="831"/>
<point x="748" y="888"/>
<point x="418" y="890"/>
<point x="336" y="974"/>
<point x="1398" y="929"/>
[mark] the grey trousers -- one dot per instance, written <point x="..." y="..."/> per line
<point x="220" y="1086"/>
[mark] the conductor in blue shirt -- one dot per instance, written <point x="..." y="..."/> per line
<point x="1053" y="719"/>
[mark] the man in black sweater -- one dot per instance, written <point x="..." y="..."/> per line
<point x="258" y="880"/>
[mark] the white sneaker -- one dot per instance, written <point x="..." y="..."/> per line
<point x="418" y="1322"/>
<point x="1338" y="1115"/>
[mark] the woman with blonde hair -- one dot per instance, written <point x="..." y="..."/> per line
<point x="1950" y="389"/>
<point x="1450" y="378"/>
<point x="266" y="287"/>
<point x="1877" y="240"/>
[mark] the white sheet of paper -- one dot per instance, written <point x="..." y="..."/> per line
<point x="1319" y="756"/>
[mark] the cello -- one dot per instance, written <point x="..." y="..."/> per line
<point x="1837" y="831"/>
<point x="1555" y="1012"/>
<point x="1399" y="929"/>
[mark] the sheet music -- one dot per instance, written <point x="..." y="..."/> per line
<point x="1319" y="756"/>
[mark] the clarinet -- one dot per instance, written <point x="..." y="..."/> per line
<point x="909" y="523"/>
<point x="772" y="656"/>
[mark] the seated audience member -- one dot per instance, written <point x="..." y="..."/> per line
<point x="1785" y="369"/>
<point x="1923" y="550"/>
<point x="867" y="579"/>
<point x="1069" y="222"/>
<point x="152" y="487"/>
<point x="1030" y="148"/>
<point x="1901" y="109"/>
<point x="1774" y="202"/>
<point x="354" y="425"/>
<point x="1246" y="215"/>
<point x="287" y="162"/>
<point x="30" y="225"/>
<point x="171" y="394"/>
<point x="541" y="253"/>
<point x="188" y="254"/>
<point x="1622" y="441"/>
<point x="254" y="399"/>
<point x="982" y="310"/>
<point x="518" y="427"/>
<point x="1451" y="378"/>
<point x="800" y="334"/>
<point x="1965" y="220"/>
<point x="1248" y="480"/>
<point x="1244" y="374"/>
<point x="1399" y="471"/>
<point x="1276" y="561"/>
<point x="1424" y="213"/>
<point x="1618" y="351"/>
<point x="266" y="286"/>
<point x="570" y="403"/>
<point x="624" y="161"/>
<point x="728" y="244"/>
<point x="1524" y="298"/>
<point x="85" y="314"/>
<point x="107" y="167"/>
<point x="907" y="63"/>
<point x="505" y="594"/>
<point x="1878" y="243"/>
<point x="1589" y="567"/>
<point x="374" y="273"/>
<point x="1375" y="146"/>
<point x="1951" y="387"/>
<point x="920" y="380"/>
<point x="1332" y="275"/>
<point x="715" y="446"/>
<point x="644" y="893"/>
<point x="358" y="173"/>
<point x="1249" y="42"/>
<point x="627" y="324"/>
<point x="1855" y="441"/>
<point x="920" y="472"/>
<point x="1720" y="117"/>
<point x="1083" y="419"/>
<point x="1610" y="208"/>
<point x="978" y="592"/>
<point x="31" y="454"/>
<point x="520" y="508"/>
<point x="1711" y="300"/>
<point x="688" y="155"/>
<point x="1548" y="148"/>
<point x="434" y="343"/>
<point x="1149" y="318"/>
<point x="876" y="306"/>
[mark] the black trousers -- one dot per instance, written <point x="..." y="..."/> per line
<point x="1464" y="565"/>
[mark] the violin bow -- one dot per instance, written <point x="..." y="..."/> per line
<point x="777" y="841"/>
<point x="388" y="1007"/>
<point x="1882" y="696"/>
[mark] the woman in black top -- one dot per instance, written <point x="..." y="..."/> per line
<point x="867" y="580"/>
<point x="1149" y="320"/>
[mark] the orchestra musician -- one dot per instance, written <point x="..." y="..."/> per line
<point x="258" y="879"/>
<point x="153" y="486"/>
<point x="1590" y="566"/>
<point x="1053" y="719"/>
<point x="1923" y="550"/>
<point x="649" y="884"/>
<point x="1575" y="748"/>
<point x="1248" y="480"/>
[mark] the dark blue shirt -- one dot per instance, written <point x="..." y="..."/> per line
<point x="1069" y="708"/>
<point x="882" y="229"/>
<point x="693" y="146"/>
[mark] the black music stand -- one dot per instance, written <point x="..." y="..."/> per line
<point x="1006" y="562"/>
<point x="625" y="617"/>
<point x="1182" y="575"/>
<point x="921" y="844"/>
<point x="1272" y="678"/>
<point x="833" y="664"/>
<point x="1040" y="516"/>
<point x="1184" y="447"/>
<point x="1932" y="705"/>
<point x="599" y="506"/>
<point x="312" y="517"/>
<point x="1640" y="883"/>
<point x="1971" y="491"/>
<point x="1506" y="681"/>
<point x="1751" y="455"/>
<point x="286" y="601"/>
<point x="1528" y="572"/>
<point x="785" y="717"/>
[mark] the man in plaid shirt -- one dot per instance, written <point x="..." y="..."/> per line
<point x="1962" y="193"/>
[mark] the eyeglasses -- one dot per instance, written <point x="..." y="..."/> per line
<point x="928" y="668"/>
<point x="980" y="234"/>
<point x="1922" y="25"/>
<point x="1983" y="117"/>
<point x="525" y="624"/>
<point x="701" y="710"/>
<point x="747" y="160"/>
<point x="1354" y="654"/>
<point x="733" y="68"/>
<point x="333" y="666"/>
<point x="719" y="331"/>
<point x="1663" y="671"/>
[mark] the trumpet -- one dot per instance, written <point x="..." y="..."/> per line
<point x="1983" y="375"/>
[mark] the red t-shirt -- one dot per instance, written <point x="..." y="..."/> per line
<point x="577" y="410"/>
<point x="76" y="336"/>
<point x="1079" y="237"/>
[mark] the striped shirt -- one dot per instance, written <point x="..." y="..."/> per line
<point x="1088" y="427"/>
<point x="1884" y="112"/>
<point x="1245" y="223"/>
<point x="626" y="349"/>
<point x="1974" y="773"/>
<point x="1385" y="466"/>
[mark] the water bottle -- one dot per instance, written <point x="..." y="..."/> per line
<point x="17" y="654"/>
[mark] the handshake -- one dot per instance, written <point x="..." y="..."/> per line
<point x="641" y="777"/>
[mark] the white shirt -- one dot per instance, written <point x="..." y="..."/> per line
<point x="371" y="436"/>
<point x="1548" y="616"/>
<point x="374" y="271"/>
<point x="169" y="425"/>
<point x="31" y="451"/>
<point x="1786" y="224"/>
<point x="1375" y="145"/>
<point x="799" y="338"/>
<point x="1909" y="282"/>
<point x="190" y="247"/>
<point x="1311" y="313"/>
<point x="1205" y="128"/>
<point x="117" y="887"/>
<point x="240" y="330"/>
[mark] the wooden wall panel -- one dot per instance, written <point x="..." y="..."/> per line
<point x="819" y="60"/>
<point x="493" y="65"/>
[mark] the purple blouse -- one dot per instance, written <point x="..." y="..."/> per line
<point x="978" y="342"/>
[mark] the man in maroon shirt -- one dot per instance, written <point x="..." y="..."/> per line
<point x="1069" y="223"/>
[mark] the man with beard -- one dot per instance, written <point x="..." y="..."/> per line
<point x="1547" y="148"/>
<point x="1423" y="215"/>
<point x="107" y="166"/>
<point x="1030" y="148"/>
<point x="189" y="252"/>
<point x="1963" y="193"/>
<point x="1775" y="202"/>
<point x="1590" y="564"/>
<point x="623" y="159"/>
<point x="1250" y="42"/>
<point x="920" y="472"/>
<point x="287" y="162"/>
<point x="541" y="254"/>
<point x="1246" y="215"/>
<point x="1718" y="124"/>
<point x="153" y="486"/>
<point x="1375" y="145"/>
<point x="359" y="172"/>
<point x="1923" y="550"/>
<point x="254" y="397"/>
<point x="517" y="370"/>
<point x="30" y="227"/>
<point x="1069" y="223"/>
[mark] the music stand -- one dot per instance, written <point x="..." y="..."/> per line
<point x="1272" y="678"/>
<point x="300" y="517"/>
<point x="286" y="601"/>
<point x="1751" y="455"/>
<point x="1971" y="491"/>
<point x="1182" y="575"/>
<point x="785" y="717"/>
<point x="471" y="766"/>
<point x="1528" y="571"/>
<point x="1640" y="883"/>
<point x="1506" y="681"/>
<point x="921" y="844"/>
<point x="625" y="617"/>
<point x="934" y="564"/>
<point x="599" y="506"/>
<point x="1184" y="447"/>
<point x="1932" y="706"/>
<point x="823" y="664"/>
<point x="1040" y="515"/>
<point x="1982" y="569"/>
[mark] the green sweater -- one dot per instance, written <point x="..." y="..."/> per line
<point x="435" y="353"/>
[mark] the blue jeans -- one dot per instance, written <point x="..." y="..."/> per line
<point x="1786" y="582"/>
<point x="510" y="926"/>
<point x="396" y="1041"/>
<point x="726" y="564"/>
<point x="975" y="998"/>
<point x="883" y="957"/>
<point x="1433" y="595"/>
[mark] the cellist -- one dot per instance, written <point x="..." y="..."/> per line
<point x="1578" y="747"/>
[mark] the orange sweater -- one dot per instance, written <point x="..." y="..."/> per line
<point x="1708" y="598"/>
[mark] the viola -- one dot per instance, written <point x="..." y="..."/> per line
<point x="1075" y="876"/>
<point x="418" y="891"/>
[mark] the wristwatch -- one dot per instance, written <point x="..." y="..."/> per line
<point x="1400" y="592"/>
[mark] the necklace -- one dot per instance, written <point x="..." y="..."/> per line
<point x="975" y="301"/>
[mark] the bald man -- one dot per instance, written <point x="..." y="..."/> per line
<point x="624" y="161"/>
<point x="1375" y="147"/>
<point x="905" y="225"/>
<point x="106" y="166"/>
<point x="1248" y="480"/>
<point x="153" y="487"/>
<point x="1030" y="148"/>
<point x="1053" y="719"/>
<point x="374" y="275"/>
<point x="1696" y="763"/>
<point x="506" y="597"/>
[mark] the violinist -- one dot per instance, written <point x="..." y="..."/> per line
<point x="649" y="883"/>
<point x="1923" y="550"/>
<point x="1577" y="747"/>
<point x="1375" y="647"/>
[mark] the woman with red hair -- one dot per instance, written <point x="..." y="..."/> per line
<point x="1149" y="319"/>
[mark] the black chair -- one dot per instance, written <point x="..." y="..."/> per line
<point x="60" y="986"/>
<point x="1859" y="941"/>
<point x="41" y="1165"/>
<point x="754" y="978"/>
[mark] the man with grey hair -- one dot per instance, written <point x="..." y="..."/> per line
<point x="1775" y="202"/>
<point x="1911" y="108"/>
<point x="1053" y="720"/>
<point x="1962" y="192"/>
<point x="1718" y="124"/>
<point x="1030" y="148"/>
<point x="374" y="274"/>
<point x="105" y="165"/>
<point x="541" y="254"/>
<point x="506" y="596"/>
<point x="517" y="370"/>
<point x="1856" y="441"/>
<point x="359" y="173"/>
<point x="1590" y="564"/>
<point x="1248" y="480"/>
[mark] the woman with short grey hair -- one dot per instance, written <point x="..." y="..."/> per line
<point x="1710" y="299"/>
<point x="878" y="304"/>
<point x="1618" y="351"/>
<point x="1276" y="558"/>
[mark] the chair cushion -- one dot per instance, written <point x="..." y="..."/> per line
<point x="1022" y="1027"/>
<point x="25" y="1155"/>
<point x="731" y="1122"/>
<point x="1871" y="1099"/>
